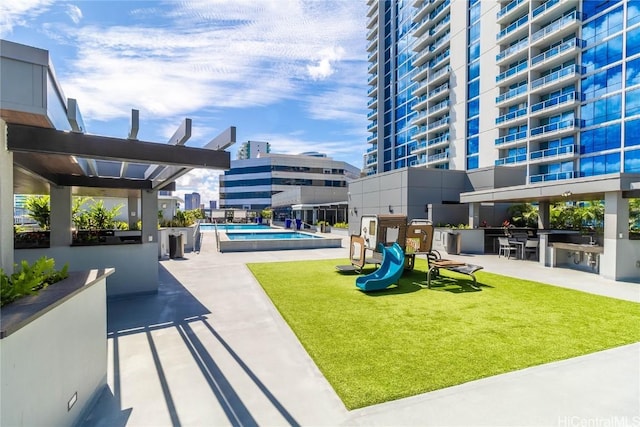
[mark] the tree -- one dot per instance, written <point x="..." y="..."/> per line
<point x="39" y="208"/>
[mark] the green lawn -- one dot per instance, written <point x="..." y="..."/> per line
<point x="408" y="340"/>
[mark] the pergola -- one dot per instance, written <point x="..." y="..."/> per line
<point x="46" y="150"/>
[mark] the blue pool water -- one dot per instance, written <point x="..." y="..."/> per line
<point x="225" y="227"/>
<point x="275" y="235"/>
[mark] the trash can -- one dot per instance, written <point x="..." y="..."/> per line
<point x="453" y="243"/>
<point x="298" y="224"/>
<point x="287" y="223"/>
<point x="176" y="248"/>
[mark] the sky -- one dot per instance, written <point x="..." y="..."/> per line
<point x="290" y="72"/>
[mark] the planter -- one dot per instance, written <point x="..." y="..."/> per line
<point x="53" y="351"/>
<point x="31" y="239"/>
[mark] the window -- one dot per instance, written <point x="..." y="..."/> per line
<point x="472" y="145"/>
<point x="472" y="127"/>
<point x="633" y="72"/>
<point x="633" y="12"/>
<point x="474" y="51"/>
<point x="632" y="133"/>
<point x="600" y="165"/>
<point x="603" y="82"/>
<point x="603" y="54"/>
<point x="474" y="70"/>
<point x="632" y="100"/>
<point x="473" y="108"/>
<point x="600" y="139"/>
<point x="604" y="25"/>
<point x="633" y="42"/>
<point x="474" y="89"/>
<point x="602" y="110"/>
<point x="632" y="161"/>
<point x="472" y="162"/>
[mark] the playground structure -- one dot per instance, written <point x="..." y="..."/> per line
<point x="393" y="244"/>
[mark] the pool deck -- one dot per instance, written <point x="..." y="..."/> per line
<point x="210" y="349"/>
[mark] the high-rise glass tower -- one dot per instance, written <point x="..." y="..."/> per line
<point x="549" y="85"/>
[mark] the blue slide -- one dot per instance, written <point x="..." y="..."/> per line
<point x="388" y="273"/>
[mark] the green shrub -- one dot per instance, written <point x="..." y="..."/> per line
<point x="29" y="279"/>
<point x="341" y="225"/>
<point x="39" y="208"/>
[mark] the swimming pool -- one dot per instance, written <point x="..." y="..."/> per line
<point x="222" y="227"/>
<point x="270" y="235"/>
<point x="271" y="240"/>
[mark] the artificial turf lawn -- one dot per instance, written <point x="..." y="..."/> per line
<point x="408" y="339"/>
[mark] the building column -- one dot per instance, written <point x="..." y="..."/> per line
<point x="60" y="220"/>
<point x="132" y="208"/>
<point x="616" y="238"/>
<point x="474" y="215"/>
<point x="544" y="215"/>
<point x="6" y="200"/>
<point x="149" y="216"/>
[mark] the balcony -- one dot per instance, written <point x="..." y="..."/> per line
<point x="512" y="94"/>
<point x="558" y="176"/>
<point x="420" y="73"/>
<point x="371" y="160"/>
<point x="556" y="129"/>
<point x="557" y="54"/>
<point x="421" y="133"/>
<point x="421" y="103"/>
<point x="373" y="126"/>
<point x="513" y="139"/>
<point x="566" y="74"/>
<point x="372" y="34"/>
<point x="551" y="9"/>
<point x="443" y="89"/>
<point x="420" y="118"/>
<point x="513" y="30"/>
<point x="506" y="118"/>
<point x="435" y="15"/>
<point x="373" y="56"/>
<point x="566" y="100"/>
<point x="373" y="68"/>
<point x="438" y="124"/>
<point x="373" y="79"/>
<point x="372" y="149"/>
<point x="512" y="50"/>
<point x="511" y="160"/>
<point x="421" y="88"/>
<point x="420" y="147"/>
<point x="438" y="108"/>
<point x="438" y="141"/>
<point x="439" y="75"/>
<point x="421" y="58"/>
<point x="373" y="45"/>
<point x="373" y="10"/>
<point x="439" y="43"/>
<point x="511" y="73"/>
<point x="545" y="7"/>
<point x="424" y="8"/>
<point x="373" y="91"/>
<point x="559" y="28"/>
<point x="438" y="158"/>
<point x="372" y="137"/>
<point x="439" y="60"/>
<point x="511" y="10"/>
<point x="553" y="153"/>
<point x="444" y="23"/>
<point x="372" y="114"/>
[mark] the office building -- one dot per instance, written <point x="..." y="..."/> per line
<point x="282" y="181"/>
<point x="192" y="201"/>
<point x="253" y="149"/>
<point x="536" y="101"/>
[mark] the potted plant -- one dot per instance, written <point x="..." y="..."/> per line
<point x="29" y="279"/>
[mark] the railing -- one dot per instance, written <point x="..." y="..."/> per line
<point x="438" y="59"/>
<point x="438" y="106"/>
<point x="543" y="7"/>
<point x="555" y="127"/>
<point x="512" y="115"/>
<point x="552" y="152"/>
<point x="421" y="145"/>
<point x="440" y="73"/>
<point x="372" y="125"/>
<point x="508" y="8"/>
<point x="522" y="44"/>
<point x="438" y="140"/>
<point x="512" y="93"/>
<point x="437" y="157"/>
<point x="512" y="71"/>
<point x="372" y="149"/>
<point x="571" y="70"/>
<point x="437" y="90"/>
<point x="440" y="8"/>
<point x="372" y="137"/>
<point x="438" y="43"/>
<point x="558" y="100"/>
<point x="372" y="160"/>
<point x="557" y="50"/>
<point x="439" y="25"/>
<point x="511" y="138"/>
<point x="373" y="102"/>
<point x="565" y="20"/>
<point x="511" y="160"/>
<point x="519" y="23"/>
<point x="372" y="114"/>
<point x="440" y="122"/>
<point x="372" y="77"/>
<point x="552" y="176"/>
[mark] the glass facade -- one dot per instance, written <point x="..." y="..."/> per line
<point x="565" y="100"/>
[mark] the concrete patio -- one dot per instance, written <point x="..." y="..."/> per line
<point x="210" y="349"/>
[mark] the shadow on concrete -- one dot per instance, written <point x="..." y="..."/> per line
<point x="172" y="307"/>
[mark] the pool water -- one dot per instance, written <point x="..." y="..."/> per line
<point x="271" y="236"/>
<point x="225" y="227"/>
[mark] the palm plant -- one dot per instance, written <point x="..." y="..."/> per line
<point x="39" y="208"/>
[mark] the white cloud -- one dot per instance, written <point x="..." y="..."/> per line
<point x="324" y="67"/>
<point x="202" y="181"/>
<point x="74" y="13"/>
<point x="19" y="12"/>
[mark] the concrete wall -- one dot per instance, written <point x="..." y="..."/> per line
<point x="136" y="264"/>
<point x="58" y="355"/>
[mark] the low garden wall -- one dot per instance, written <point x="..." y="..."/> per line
<point x="53" y="352"/>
